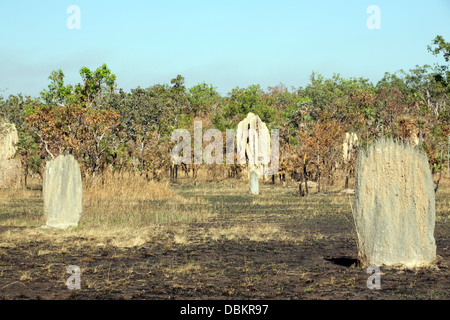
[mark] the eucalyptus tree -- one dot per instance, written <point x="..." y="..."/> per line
<point x="72" y="118"/>
<point x="204" y="100"/>
<point x="241" y="101"/>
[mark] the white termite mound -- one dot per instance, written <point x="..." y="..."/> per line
<point x="63" y="192"/>
<point x="253" y="140"/>
<point x="394" y="206"/>
<point x="10" y="166"/>
<point x="348" y="146"/>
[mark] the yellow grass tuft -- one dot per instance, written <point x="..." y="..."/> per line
<point x="129" y="200"/>
<point x="127" y="186"/>
<point x="254" y="232"/>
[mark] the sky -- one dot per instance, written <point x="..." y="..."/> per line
<point x="226" y="43"/>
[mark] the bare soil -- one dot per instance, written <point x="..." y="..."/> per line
<point x="288" y="247"/>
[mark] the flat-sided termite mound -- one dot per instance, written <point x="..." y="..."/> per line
<point x="63" y="192"/>
<point x="10" y="166"/>
<point x="394" y="206"/>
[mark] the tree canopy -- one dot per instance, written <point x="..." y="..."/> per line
<point x="106" y="127"/>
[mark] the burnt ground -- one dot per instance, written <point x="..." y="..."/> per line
<point x="314" y="257"/>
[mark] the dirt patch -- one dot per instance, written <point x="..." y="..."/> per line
<point x="277" y="246"/>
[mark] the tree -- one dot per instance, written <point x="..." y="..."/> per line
<point x="30" y="153"/>
<point x="321" y="149"/>
<point x="94" y="85"/>
<point x="204" y="100"/>
<point x="334" y="97"/>
<point x="178" y="100"/>
<point x="70" y="119"/>
<point x="14" y="110"/>
<point x="239" y="103"/>
<point x="440" y="46"/>
<point x="143" y="113"/>
<point x="57" y="92"/>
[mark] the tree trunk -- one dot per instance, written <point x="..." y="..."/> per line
<point x="142" y="157"/>
<point x="26" y="175"/>
<point x="318" y="182"/>
<point x="305" y="178"/>
<point x="437" y="183"/>
<point x="448" y="156"/>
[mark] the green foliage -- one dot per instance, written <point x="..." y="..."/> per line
<point x="29" y="149"/>
<point x="14" y="109"/>
<point x="120" y="129"/>
<point x="204" y="99"/>
<point x="242" y="101"/>
<point x="95" y="83"/>
<point x="333" y="96"/>
<point x="440" y="46"/>
<point x="57" y="92"/>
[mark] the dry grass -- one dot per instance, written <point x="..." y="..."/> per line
<point x="186" y="269"/>
<point x="77" y="239"/>
<point x="21" y="207"/>
<point x="26" y="276"/>
<point x="7" y="194"/>
<point x="130" y="200"/>
<point x="247" y="231"/>
<point x="129" y="187"/>
<point x="123" y="211"/>
<point x="134" y="234"/>
<point x="127" y="211"/>
<point x="443" y="201"/>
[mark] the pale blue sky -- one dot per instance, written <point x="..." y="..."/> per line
<point x="227" y="43"/>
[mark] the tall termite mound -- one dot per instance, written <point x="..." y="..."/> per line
<point x="10" y="166"/>
<point x="63" y="192"/>
<point x="253" y="140"/>
<point x="394" y="206"/>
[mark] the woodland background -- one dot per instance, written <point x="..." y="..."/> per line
<point x="106" y="128"/>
